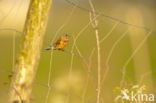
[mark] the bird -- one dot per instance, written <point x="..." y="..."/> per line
<point x="60" y="44"/>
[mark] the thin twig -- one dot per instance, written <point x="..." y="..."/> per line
<point x="87" y="81"/>
<point x="88" y="67"/>
<point x="109" y="33"/>
<point x="50" y="65"/>
<point x="64" y="92"/>
<point x="74" y="44"/>
<point x="95" y="26"/>
<point x="110" y="17"/>
<point x="130" y="58"/>
<point x="51" y="42"/>
<point x="14" y="38"/>
<point x="49" y="78"/>
<point x="13" y="51"/>
<point x="110" y="54"/>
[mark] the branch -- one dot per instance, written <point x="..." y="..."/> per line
<point x="95" y="26"/>
<point x="29" y="55"/>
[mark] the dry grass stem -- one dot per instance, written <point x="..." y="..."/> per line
<point x="95" y="26"/>
<point x="130" y="58"/>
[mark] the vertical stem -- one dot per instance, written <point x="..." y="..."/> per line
<point x="99" y="67"/>
<point x="29" y="54"/>
<point x="13" y="49"/>
<point x="95" y="25"/>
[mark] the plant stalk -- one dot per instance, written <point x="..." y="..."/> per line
<point x="29" y="53"/>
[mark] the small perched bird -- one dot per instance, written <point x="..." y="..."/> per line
<point x="60" y="44"/>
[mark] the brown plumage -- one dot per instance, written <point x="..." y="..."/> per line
<point x="60" y="44"/>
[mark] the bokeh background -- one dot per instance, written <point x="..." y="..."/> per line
<point x="71" y="81"/>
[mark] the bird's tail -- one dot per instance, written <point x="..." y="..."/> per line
<point x="50" y="48"/>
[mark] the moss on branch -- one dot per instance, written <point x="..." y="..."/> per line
<point x="30" y="47"/>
